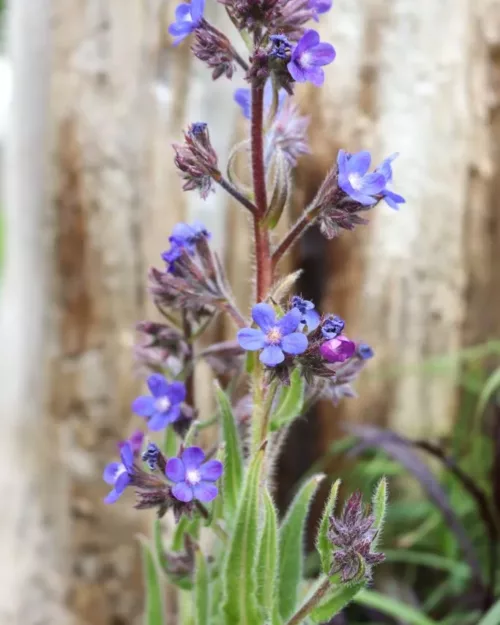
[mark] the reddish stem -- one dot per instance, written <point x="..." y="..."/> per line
<point x="261" y="234"/>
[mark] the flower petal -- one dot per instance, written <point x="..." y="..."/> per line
<point x="272" y="355"/>
<point x="243" y="98"/>
<point x="315" y="75"/>
<point x="144" y="406"/>
<point x="322" y="54"/>
<point x="157" y="385"/>
<point x="112" y="496"/>
<point x="176" y="392"/>
<point x="205" y="491"/>
<point x="308" y="40"/>
<point x="197" y="10"/>
<point x="127" y="455"/>
<point x="173" y="414"/>
<point x="296" y="71"/>
<point x="211" y="470"/>
<point x="312" y="319"/>
<point x="295" y="343"/>
<point x="175" y="470"/>
<point x="122" y="482"/>
<point x="372" y="184"/>
<point x="182" y="12"/>
<point x="182" y="492"/>
<point x="193" y="457"/>
<point x="290" y="322"/>
<point x="342" y="162"/>
<point x="359" y="163"/>
<point x="251" y="339"/>
<point x="393" y="199"/>
<point x="110" y="472"/>
<point x="158" y="421"/>
<point x="264" y="316"/>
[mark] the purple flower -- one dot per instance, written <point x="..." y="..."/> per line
<point x="153" y="457"/>
<point x="183" y="237"/>
<point x="320" y="6"/>
<point x="332" y="326"/>
<point x="243" y="97"/>
<point x="187" y="18"/>
<point x="135" y="441"/>
<point x="338" y="349"/>
<point x="310" y="317"/>
<point x="193" y="478"/>
<point x="163" y="406"/>
<point x="280" y="47"/>
<point x="119" y="474"/>
<point x="275" y="337"/>
<point x="392" y="199"/>
<point x="355" y="180"/>
<point x="364" y="351"/>
<point x="307" y="58"/>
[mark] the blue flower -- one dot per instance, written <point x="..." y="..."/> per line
<point x="364" y="351"/>
<point x="193" y="478"/>
<point x="307" y="58"/>
<point x="163" y="406"/>
<point x="320" y="6"/>
<point x="310" y="317"/>
<point x="332" y="326"/>
<point x="392" y="199"/>
<point x="355" y="180"/>
<point x="243" y="97"/>
<point x="280" y="47"/>
<point x="183" y="237"/>
<point x="187" y="18"/>
<point x="119" y="474"/>
<point x="275" y="337"/>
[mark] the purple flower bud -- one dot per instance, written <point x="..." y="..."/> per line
<point x="197" y="160"/>
<point x="338" y="349"/>
<point x="214" y="48"/>
<point x="154" y="458"/>
<point x="364" y="351"/>
<point x="281" y="47"/>
<point x="332" y="326"/>
<point x="307" y="58"/>
<point x="319" y="7"/>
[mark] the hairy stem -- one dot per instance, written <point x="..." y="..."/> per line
<point x="307" y="607"/>
<point x="261" y="234"/>
<point x="244" y="201"/>
<point x="258" y="406"/>
<point x="187" y="329"/>
<point x="305" y="220"/>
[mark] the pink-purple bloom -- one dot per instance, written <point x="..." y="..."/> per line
<point x="310" y="316"/>
<point x="320" y="6"/>
<point x="308" y="57"/>
<point x="119" y="474"/>
<point x="187" y="18"/>
<point x="193" y="478"/>
<point x="163" y="406"/>
<point x="274" y="337"/>
<point x="338" y="349"/>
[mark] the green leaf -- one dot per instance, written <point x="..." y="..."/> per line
<point x="492" y="617"/>
<point x="158" y="543"/>
<point x="240" y="588"/>
<point x="170" y="443"/>
<point x="267" y="561"/>
<point x="338" y="599"/>
<point x="489" y="389"/>
<point x="323" y="545"/>
<point x="154" y="610"/>
<point x="291" y="546"/>
<point x="180" y="529"/>
<point x="379" y="506"/>
<point x="392" y="607"/>
<point x="201" y="591"/>
<point x="290" y="402"/>
<point x="233" y="468"/>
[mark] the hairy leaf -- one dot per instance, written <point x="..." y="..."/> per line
<point x="290" y="402"/>
<point x="337" y="600"/>
<point x="201" y="590"/>
<point x="379" y="505"/>
<point x="323" y="545"/>
<point x="392" y="607"/>
<point x="154" y="610"/>
<point x="267" y="562"/>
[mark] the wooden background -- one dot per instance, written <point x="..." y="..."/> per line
<point x="91" y="195"/>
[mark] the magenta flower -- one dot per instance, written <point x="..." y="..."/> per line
<point x="187" y="18"/>
<point x="307" y="58"/>
<point x="119" y="474"/>
<point x="338" y="349"/>
<point x="275" y="337"/>
<point x="193" y="478"/>
<point x="163" y="406"/>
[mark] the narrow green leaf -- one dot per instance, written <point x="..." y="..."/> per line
<point x="201" y="592"/>
<point x="154" y="610"/>
<point x="492" y="617"/>
<point x="290" y="402"/>
<point x="158" y="543"/>
<point x="233" y="469"/>
<point x="267" y="561"/>
<point x="323" y="545"/>
<point x="186" y="608"/>
<point x="339" y="598"/>
<point x="392" y="607"/>
<point x="240" y="591"/>
<point x="291" y="546"/>
<point x="170" y="443"/>
<point x="379" y="505"/>
<point x="180" y="530"/>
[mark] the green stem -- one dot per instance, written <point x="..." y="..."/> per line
<point x="309" y="605"/>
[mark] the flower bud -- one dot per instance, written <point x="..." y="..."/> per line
<point x="338" y="349"/>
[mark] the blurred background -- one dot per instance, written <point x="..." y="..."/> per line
<point x="92" y="95"/>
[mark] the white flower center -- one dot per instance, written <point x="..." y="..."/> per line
<point x="193" y="477"/>
<point x="305" y="59"/>
<point x="274" y="335"/>
<point x="120" y="471"/>
<point x="162" y="404"/>
<point x="356" y="181"/>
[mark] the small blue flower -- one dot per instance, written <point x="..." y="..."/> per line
<point x="275" y="336"/>
<point x="307" y="58"/>
<point x="243" y="97"/>
<point x="310" y="317"/>
<point x="355" y="180"/>
<point x="187" y="18"/>
<point x="332" y="327"/>
<point x="280" y="47"/>
<point x="392" y="199"/>
<point x="183" y="237"/>
<point x="119" y="474"/>
<point x="320" y="6"/>
<point x="193" y="478"/>
<point x="151" y="455"/>
<point x="364" y="351"/>
<point x="163" y="406"/>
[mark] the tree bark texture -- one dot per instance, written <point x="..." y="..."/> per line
<point x="418" y="78"/>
